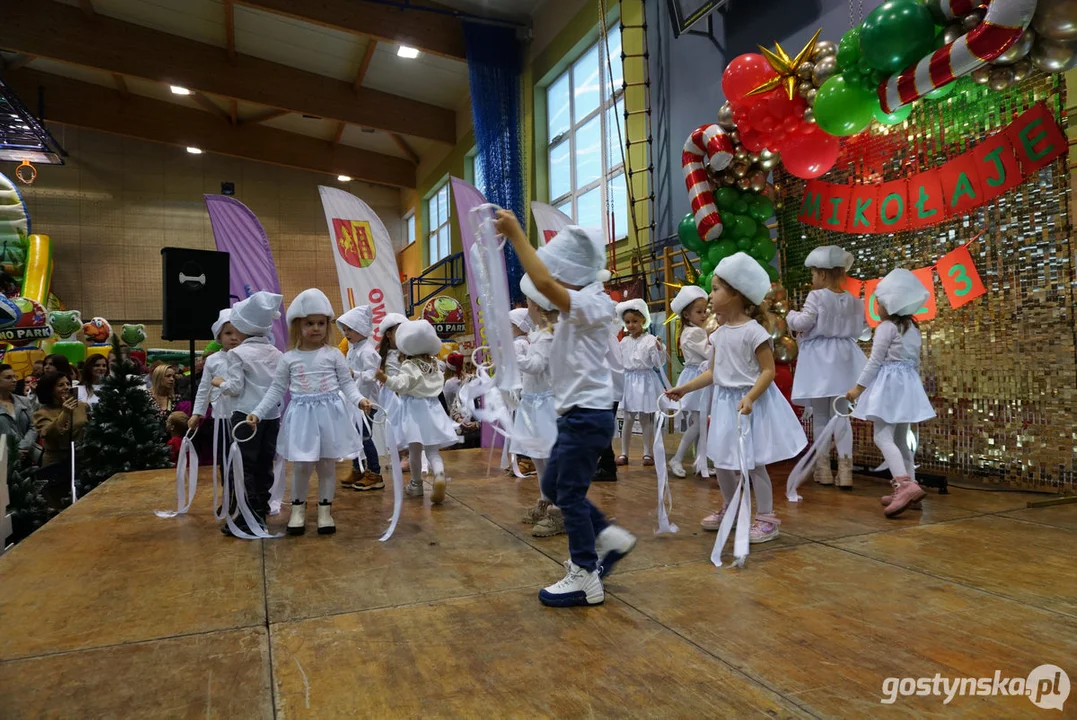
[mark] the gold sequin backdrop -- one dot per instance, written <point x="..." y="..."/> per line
<point x="1001" y="371"/>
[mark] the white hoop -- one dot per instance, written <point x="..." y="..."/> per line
<point x="252" y="426"/>
<point x="384" y="414"/>
<point x="834" y="406"/>
<point x="743" y="428"/>
<point x="672" y="407"/>
<point x="191" y="432"/>
<point x="475" y="354"/>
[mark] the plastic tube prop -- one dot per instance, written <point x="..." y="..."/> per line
<point x="1001" y="27"/>
<point x="838" y="425"/>
<point x="707" y="146"/>
<point x="667" y="410"/>
<point x="186" y="478"/>
<point x="740" y="505"/>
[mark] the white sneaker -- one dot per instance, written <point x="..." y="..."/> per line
<point x="578" y="587"/>
<point x="438" y="496"/>
<point x="413" y="489"/>
<point x="611" y="545"/>
<point x="677" y="469"/>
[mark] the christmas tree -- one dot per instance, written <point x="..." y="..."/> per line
<point x="125" y="432"/>
<point x="29" y="508"/>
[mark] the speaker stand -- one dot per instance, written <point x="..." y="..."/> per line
<point x="192" y="383"/>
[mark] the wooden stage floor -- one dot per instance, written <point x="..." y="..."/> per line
<point x="111" y="612"/>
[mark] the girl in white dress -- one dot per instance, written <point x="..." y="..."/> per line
<point x="691" y="305"/>
<point x="889" y="390"/>
<point x="641" y="354"/>
<point x="829" y="325"/>
<point x="390" y="365"/>
<point x="317" y="428"/>
<point x="357" y="326"/>
<point x="742" y="371"/>
<point x="419" y="422"/>
<point x="535" y="429"/>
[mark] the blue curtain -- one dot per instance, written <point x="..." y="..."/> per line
<point x="495" y="67"/>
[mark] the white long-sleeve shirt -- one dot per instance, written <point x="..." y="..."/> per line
<point x="584" y="375"/>
<point x="216" y="365"/>
<point x="694" y="345"/>
<point x="889" y="345"/>
<point x="251" y="368"/>
<point x="533" y="360"/>
<point x="828" y="314"/>
<point x="364" y="361"/>
<point x="641" y="353"/>
<point x="416" y="381"/>
<point x="310" y="372"/>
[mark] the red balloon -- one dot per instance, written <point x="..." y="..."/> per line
<point x="768" y="124"/>
<point x="809" y="156"/>
<point x="799" y="106"/>
<point x="753" y="140"/>
<point x="791" y="123"/>
<point x="780" y="105"/>
<point x="744" y="73"/>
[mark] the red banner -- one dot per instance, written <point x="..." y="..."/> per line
<point x="959" y="277"/>
<point x="1000" y="163"/>
<point x="926" y="276"/>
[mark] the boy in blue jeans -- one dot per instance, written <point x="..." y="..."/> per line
<point x="569" y="271"/>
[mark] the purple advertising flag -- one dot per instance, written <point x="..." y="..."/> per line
<point x="238" y="233"/>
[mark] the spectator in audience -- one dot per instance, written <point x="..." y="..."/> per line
<point x="60" y="419"/>
<point x="27" y="387"/>
<point x="163" y="388"/>
<point x="177" y="428"/>
<point x="93" y="374"/>
<point x="60" y="364"/>
<point x="16" y="412"/>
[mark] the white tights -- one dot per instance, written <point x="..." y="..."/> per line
<point x="892" y="441"/>
<point x="822" y="410"/>
<point x="415" y="459"/>
<point x="689" y="439"/>
<point x="761" y="488"/>
<point x="646" y="421"/>
<point x="327" y="479"/>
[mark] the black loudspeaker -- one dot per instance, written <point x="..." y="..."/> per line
<point x="195" y="291"/>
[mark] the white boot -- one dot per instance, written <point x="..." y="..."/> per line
<point x="611" y="545"/>
<point x="677" y="468"/>
<point x="297" y="523"/>
<point x="438" y="496"/>
<point x="326" y="526"/>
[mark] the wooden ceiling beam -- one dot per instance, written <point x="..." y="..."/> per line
<point x="230" y="29"/>
<point x="233" y="112"/>
<point x="60" y="32"/>
<point x="338" y="134"/>
<point x="440" y="33"/>
<point x="121" y="84"/>
<point x="87" y="8"/>
<point x="19" y="62"/>
<point x="364" y="65"/>
<point x="212" y="107"/>
<point x="80" y="104"/>
<point x="403" y="145"/>
<point x="270" y="114"/>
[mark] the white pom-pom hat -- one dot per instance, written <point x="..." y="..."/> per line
<point x="223" y="318"/>
<point x="744" y="274"/>
<point x="255" y="315"/>
<point x="637" y="305"/>
<point x="829" y="257"/>
<point x="311" y="301"/>
<point x="527" y="287"/>
<point x="417" y="337"/>
<point x="520" y="319"/>
<point x="686" y="296"/>
<point x="901" y="293"/>
<point x="358" y="319"/>
<point x="390" y="321"/>
<point x="576" y="256"/>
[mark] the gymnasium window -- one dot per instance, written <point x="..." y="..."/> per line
<point x="409" y="229"/>
<point x="583" y="113"/>
<point x="474" y="173"/>
<point x="438" y="233"/>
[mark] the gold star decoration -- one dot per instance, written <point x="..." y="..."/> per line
<point x="785" y="66"/>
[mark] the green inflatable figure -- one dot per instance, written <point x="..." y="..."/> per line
<point x="66" y="325"/>
<point x="133" y="336"/>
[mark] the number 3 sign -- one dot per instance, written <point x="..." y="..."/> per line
<point x="959" y="277"/>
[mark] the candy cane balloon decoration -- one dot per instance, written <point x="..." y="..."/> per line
<point x="1001" y="27"/>
<point x="706" y="146"/>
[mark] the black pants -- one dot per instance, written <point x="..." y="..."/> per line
<point x="257" y="454"/>
<point x="607" y="461"/>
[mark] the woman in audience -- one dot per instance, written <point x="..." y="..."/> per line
<point x="163" y="389"/>
<point x="16" y="412"/>
<point x="93" y="374"/>
<point x="60" y="419"/>
<point x="60" y="364"/>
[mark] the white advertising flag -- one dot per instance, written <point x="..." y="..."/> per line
<point x="363" y="251"/>
<point x="549" y="220"/>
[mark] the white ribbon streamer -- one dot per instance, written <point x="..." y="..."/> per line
<point x="837" y="424"/>
<point x="740" y="505"/>
<point x="74" y="494"/>
<point x="667" y="409"/>
<point x="233" y="472"/>
<point x="398" y="476"/>
<point x="488" y="264"/>
<point x="701" y="447"/>
<point x="186" y="478"/>
<point x="276" y="493"/>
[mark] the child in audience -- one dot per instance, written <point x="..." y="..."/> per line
<point x="642" y="353"/>
<point x="177" y="428"/>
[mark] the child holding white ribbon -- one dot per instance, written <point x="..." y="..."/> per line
<point x="317" y="427"/>
<point x="390" y="365"/>
<point x="535" y="430"/>
<point x="691" y="305"/>
<point x="890" y="391"/>
<point x="828" y="327"/>
<point x="742" y="371"/>
<point x="641" y="353"/>
<point x="419" y="422"/>
<point x="357" y="325"/>
<point x="215" y="366"/>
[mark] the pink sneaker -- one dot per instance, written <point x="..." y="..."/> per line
<point x="887" y="499"/>
<point x="713" y="521"/>
<point x="906" y="492"/>
<point x="764" y="529"/>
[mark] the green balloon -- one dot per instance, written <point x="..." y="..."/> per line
<point x="748" y="226"/>
<point x="706" y="267"/>
<point x="763" y="248"/>
<point x="849" y="49"/>
<point x="740" y="207"/>
<point x="689" y="235"/>
<point x="843" y="108"/>
<point x="761" y="208"/>
<point x="719" y="251"/>
<point x="897" y="34"/>
<point x="898" y="116"/>
<point x="744" y="243"/>
<point x="724" y="197"/>
<point x="705" y="280"/>
<point x="772" y="272"/>
<point x="737" y="226"/>
<point x="940" y="93"/>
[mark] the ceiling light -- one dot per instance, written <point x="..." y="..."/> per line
<point x="177" y="90"/>
<point x="343" y="178"/>
<point x="193" y="150"/>
<point x="407" y="52"/>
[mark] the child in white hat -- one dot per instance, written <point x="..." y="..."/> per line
<point x="247" y="379"/>
<point x="357" y="325"/>
<point x="742" y="371"/>
<point x="642" y="354"/>
<point x="691" y="306"/>
<point x="390" y="365"/>
<point x="215" y="366"/>
<point x="889" y="390"/>
<point x="317" y="428"/>
<point x="828" y="327"/>
<point x="569" y="271"/>
<point x="419" y="422"/>
<point x="535" y="428"/>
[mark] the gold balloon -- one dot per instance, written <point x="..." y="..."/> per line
<point x="740" y="155"/>
<point x="1001" y="78"/>
<point x="1018" y="50"/>
<point x="804" y="88"/>
<point x="734" y="137"/>
<point x="753" y="158"/>
<point x="1054" y="57"/>
<point x="779" y="308"/>
<point x="810" y="97"/>
<point x="776" y="333"/>
<point x="768" y="159"/>
<point x="728" y="178"/>
<point x="809" y="116"/>
<point x="740" y="169"/>
<point x="725" y="117"/>
<point x="970" y="21"/>
<point x="785" y="349"/>
<point x="758" y="181"/>
<point x="1056" y="20"/>
<point x="804" y="70"/>
<point x="744" y="184"/>
<point x="982" y="75"/>
<point x="823" y="71"/>
<point x="952" y="32"/>
<point x="824" y="48"/>
<point x="1022" y="69"/>
<point x="776" y="292"/>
